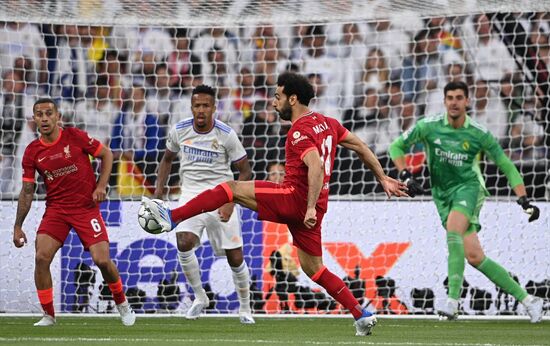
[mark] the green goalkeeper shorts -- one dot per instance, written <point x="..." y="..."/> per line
<point x="466" y="199"/>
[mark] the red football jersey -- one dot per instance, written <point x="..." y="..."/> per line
<point x="66" y="168"/>
<point x="313" y="131"/>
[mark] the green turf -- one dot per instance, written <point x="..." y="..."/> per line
<point x="269" y="331"/>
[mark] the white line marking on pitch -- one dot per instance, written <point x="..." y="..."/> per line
<point x="206" y="340"/>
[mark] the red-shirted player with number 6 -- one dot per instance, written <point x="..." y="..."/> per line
<point x="301" y="200"/>
<point x="61" y="157"/>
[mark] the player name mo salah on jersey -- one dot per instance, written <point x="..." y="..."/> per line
<point x="320" y="128"/>
<point x="66" y="168"/>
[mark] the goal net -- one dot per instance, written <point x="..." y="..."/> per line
<point x="124" y="71"/>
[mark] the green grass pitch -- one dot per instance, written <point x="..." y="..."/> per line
<point x="269" y="331"/>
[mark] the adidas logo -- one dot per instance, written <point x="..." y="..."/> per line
<point x="463" y="203"/>
<point x="437" y="141"/>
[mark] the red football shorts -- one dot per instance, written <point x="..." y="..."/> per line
<point x="284" y="204"/>
<point x="87" y="223"/>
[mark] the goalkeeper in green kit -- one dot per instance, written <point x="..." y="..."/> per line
<point x="453" y="143"/>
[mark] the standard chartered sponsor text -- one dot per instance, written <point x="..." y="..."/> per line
<point x="64" y="171"/>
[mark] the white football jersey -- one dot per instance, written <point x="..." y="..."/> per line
<point x="205" y="158"/>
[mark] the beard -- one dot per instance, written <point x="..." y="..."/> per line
<point x="285" y="113"/>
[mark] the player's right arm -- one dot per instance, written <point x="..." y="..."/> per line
<point x="25" y="196"/>
<point x="402" y="144"/>
<point x="23" y="207"/>
<point x="391" y="186"/>
<point x="315" y="175"/>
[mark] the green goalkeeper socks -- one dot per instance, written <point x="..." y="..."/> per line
<point x="500" y="277"/>
<point x="455" y="244"/>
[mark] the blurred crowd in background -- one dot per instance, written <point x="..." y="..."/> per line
<point x="126" y="85"/>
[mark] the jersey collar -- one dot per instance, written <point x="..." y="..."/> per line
<point x="308" y="113"/>
<point x="54" y="142"/>
<point x="465" y="125"/>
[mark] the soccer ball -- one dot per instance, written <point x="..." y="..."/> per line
<point x="147" y="222"/>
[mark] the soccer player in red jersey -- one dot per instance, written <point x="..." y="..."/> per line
<point x="301" y="200"/>
<point x="61" y="157"/>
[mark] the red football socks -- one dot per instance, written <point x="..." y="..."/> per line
<point x="338" y="290"/>
<point x="46" y="300"/>
<point x="208" y="200"/>
<point x="118" y="292"/>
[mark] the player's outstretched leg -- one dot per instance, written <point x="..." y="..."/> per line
<point x="501" y="277"/>
<point x="206" y="201"/>
<point x="241" y="279"/>
<point x="160" y="212"/>
<point x="364" y="320"/>
<point x="190" y="266"/>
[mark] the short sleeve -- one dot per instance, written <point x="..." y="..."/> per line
<point x="29" y="169"/>
<point x="234" y="147"/>
<point x="340" y="131"/>
<point x="172" y="142"/>
<point x="89" y="144"/>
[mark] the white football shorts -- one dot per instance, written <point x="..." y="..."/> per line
<point x="222" y="235"/>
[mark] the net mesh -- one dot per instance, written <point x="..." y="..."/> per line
<point x="119" y="69"/>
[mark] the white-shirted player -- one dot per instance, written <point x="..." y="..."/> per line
<point x="207" y="149"/>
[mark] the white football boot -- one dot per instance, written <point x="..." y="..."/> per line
<point x="127" y="315"/>
<point x="364" y="325"/>
<point x="246" y="317"/>
<point x="159" y="212"/>
<point x="534" y="309"/>
<point x="196" y="308"/>
<point x="449" y="310"/>
<point x="46" y="321"/>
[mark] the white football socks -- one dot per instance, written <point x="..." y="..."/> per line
<point x="190" y="265"/>
<point x="241" y="279"/>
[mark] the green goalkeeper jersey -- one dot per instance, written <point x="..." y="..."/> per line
<point x="453" y="154"/>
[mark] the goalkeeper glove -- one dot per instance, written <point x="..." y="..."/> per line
<point x="413" y="186"/>
<point x="529" y="209"/>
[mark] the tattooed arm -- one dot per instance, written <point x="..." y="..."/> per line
<point x="23" y="207"/>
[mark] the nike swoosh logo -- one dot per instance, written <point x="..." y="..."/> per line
<point x="41" y="159"/>
<point x="97" y="234"/>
